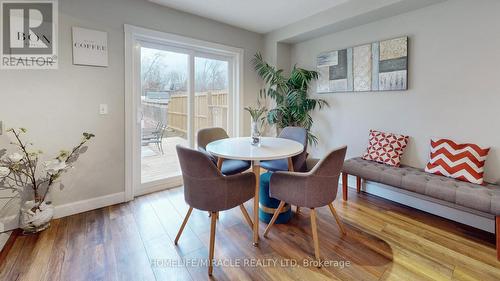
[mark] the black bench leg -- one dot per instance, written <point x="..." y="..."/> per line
<point x="497" y="233"/>
<point x="344" y="186"/>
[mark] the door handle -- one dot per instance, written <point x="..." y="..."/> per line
<point x="140" y="114"/>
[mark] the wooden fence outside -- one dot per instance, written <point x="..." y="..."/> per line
<point x="210" y="110"/>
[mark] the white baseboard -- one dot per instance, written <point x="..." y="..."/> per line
<point x="112" y="199"/>
<point x="12" y="222"/>
<point x="159" y="186"/>
<point x="88" y="204"/>
<point x="426" y="206"/>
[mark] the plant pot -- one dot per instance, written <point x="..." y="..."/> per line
<point x="35" y="221"/>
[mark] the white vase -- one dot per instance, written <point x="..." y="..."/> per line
<point x="255" y="133"/>
<point x="35" y="221"/>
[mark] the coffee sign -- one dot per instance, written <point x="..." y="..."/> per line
<point x="90" y="47"/>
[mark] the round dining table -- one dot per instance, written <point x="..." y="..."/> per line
<point x="242" y="149"/>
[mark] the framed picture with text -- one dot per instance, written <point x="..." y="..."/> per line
<point x="90" y="47"/>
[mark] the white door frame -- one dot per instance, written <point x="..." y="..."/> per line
<point x="133" y="34"/>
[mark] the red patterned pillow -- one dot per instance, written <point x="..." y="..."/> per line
<point x="385" y="148"/>
<point x="463" y="162"/>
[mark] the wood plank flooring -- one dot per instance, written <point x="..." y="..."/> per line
<point x="134" y="241"/>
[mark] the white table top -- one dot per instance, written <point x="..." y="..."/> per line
<point x="242" y="148"/>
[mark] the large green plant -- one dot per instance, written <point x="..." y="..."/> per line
<point x="293" y="105"/>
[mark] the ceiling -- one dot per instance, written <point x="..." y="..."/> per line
<point x="260" y="16"/>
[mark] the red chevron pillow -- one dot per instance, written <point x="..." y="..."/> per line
<point x="385" y="148"/>
<point x="463" y="162"/>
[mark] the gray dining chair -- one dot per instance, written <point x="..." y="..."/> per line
<point x="297" y="134"/>
<point x="313" y="189"/>
<point x="207" y="189"/>
<point x="229" y="166"/>
<point x="298" y="162"/>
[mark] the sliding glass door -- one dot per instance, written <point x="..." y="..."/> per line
<point x="181" y="91"/>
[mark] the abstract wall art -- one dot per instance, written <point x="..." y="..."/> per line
<point x="379" y="66"/>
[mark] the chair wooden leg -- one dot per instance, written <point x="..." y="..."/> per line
<point x="183" y="225"/>
<point x="497" y="231"/>
<point x="212" y="243"/>
<point x="344" y="186"/>
<point x="358" y="184"/>
<point x="336" y="216"/>
<point x="219" y="163"/>
<point x="290" y="164"/>
<point x="275" y="216"/>
<point x="246" y="216"/>
<point x="210" y="214"/>
<point x="314" y="228"/>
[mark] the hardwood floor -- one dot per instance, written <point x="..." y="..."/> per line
<point x="134" y="241"/>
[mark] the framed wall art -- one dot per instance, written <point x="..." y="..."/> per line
<point x="90" y="47"/>
<point x="378" y="66"/>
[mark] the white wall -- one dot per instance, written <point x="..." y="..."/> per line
<point x="454" y="89"/>
<point x="58" y="105"/>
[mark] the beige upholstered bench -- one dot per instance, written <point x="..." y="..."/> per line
<point x="482" y="201"/>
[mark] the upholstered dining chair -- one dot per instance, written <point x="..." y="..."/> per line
<point x="229" y="166"/>
<point x="298" y="162"/>
<point x="297" y="134"/>
<point x="206" y="189"/>
<point x="314" y="189"/>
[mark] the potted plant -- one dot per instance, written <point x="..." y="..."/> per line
<point x="22" y="173"/>
<point x="293" y="104"/>
<point x="258" y="117"/>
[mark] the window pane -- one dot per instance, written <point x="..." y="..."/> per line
<point x="164" y="112"/>
<point x="211" y="93"/>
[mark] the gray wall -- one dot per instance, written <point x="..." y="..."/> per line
<point x="58" y="105"/>
<point x="454" y="88"/>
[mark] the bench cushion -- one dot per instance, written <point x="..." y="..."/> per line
<point x="477" y="197"/>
